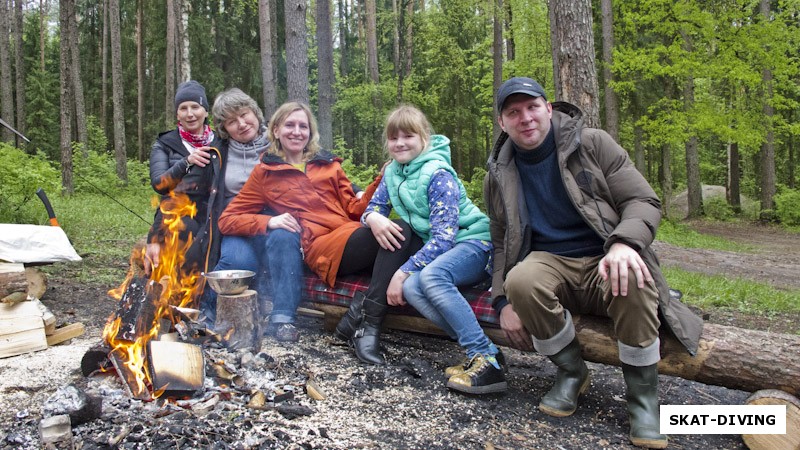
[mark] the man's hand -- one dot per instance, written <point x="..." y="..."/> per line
<point x="394" y="293"/>
<point x="151" y="254"/>
<point x="387" y="233"/>
<point x="514" y="329"/>
<point x="614" y="267"/>
<point x="285" y="221"/>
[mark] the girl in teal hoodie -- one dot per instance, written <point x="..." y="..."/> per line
<point x="424" y="190"/>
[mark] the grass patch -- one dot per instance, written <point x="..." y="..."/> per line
<point x="682" y="236"/>
<point x="707" y="291"/>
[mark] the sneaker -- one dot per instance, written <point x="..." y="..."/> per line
<point x="283" y="332"/>
<point x="484" y="375"/>
<point x="464" y="365"/>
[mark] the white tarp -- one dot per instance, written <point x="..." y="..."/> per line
<point x="22" y="243"/>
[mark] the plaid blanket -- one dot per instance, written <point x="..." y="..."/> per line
<point x="316" y="291"/>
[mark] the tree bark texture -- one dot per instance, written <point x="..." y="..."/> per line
<point x="396" y="23"/>
<point x="372" y="42"/>
<point x="75" y="78"/>
<point x="733" y="191"/>
<point x="238" y="320"/>
<point x="610" y="97"/>
<point x="20" y="68"/>
<point x="497" y="61"/>
<point x="267" y="58"/>
<point x="343" y="46"/>
<point x="104" y="63"/>
<point x="169" y="68"/>
<point x="767" y="155"/>
<point x="296" y="50"/>
<point x="325" y="74"/>
<point x="574" y="69"/>
<point x="182" y="12"/>
<point x="140" y="79"/>
<point x="6" y="83"/>
<point x="65" y="104"/>
<point x="117" y="88"/>
<point x="408" y="38"/>
<point x="694" y="187"/>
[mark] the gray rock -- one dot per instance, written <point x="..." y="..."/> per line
<point x="74" y="402"/>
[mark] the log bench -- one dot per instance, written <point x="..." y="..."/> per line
<point x="737" y="358"/>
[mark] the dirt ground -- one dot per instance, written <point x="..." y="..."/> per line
<point x="403" y="405"/>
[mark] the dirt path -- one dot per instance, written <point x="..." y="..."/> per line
<point x="769" y="255"/>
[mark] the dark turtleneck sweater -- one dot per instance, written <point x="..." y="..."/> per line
<point x="556" y="225"/>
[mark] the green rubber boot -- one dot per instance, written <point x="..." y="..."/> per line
<point x="572" y="379"/>
<point x="642" y="396"/>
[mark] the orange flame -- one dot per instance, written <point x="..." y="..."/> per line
<point x="181" y="286"/>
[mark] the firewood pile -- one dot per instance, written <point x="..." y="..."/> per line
<point x="26" y="325"/>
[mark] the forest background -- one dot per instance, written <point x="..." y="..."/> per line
<point x="699" y="92"/>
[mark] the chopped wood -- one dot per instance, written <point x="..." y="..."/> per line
<point x="15" y="297"/>
<point x="775" y="441"/>
<point x="56" y="429"/>
<point x="21" y="329"/>
<point x="176" y="368"/>
<point x="137" y="308"/>
<point x="736" y="358"/>
<point x="129" y="379"/>
<point x="65" y="333"/>
<point x="314" y="391"/>
<point x="37" y="282"/>
<point x="238" y="320"/>
<point x="12" y="279"/>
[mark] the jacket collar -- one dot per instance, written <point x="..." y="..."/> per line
<point x="322" y="157"/>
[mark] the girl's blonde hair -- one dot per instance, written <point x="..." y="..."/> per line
<point x="410" y="119"/>
<point x="277" y="120"/>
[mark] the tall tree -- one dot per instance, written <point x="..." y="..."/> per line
<point x="7" y="88"/>
<point x="19" y="66"/>
<point x="767" y="154"/>
<point x="497" y="59"/>
<point x="182" y="19"/>
<point x="325" y="74"/>
<point x="140" y="79"/>
<point x="344" y="68"/>
<point x="75" y="76"/>
<point x="117" y="90"/>
<point x="296" y="50"/>
<point x="408" y="40"/>
<point x="372" y="41"/>
<point x="268" y="81"/>
<point x="574" y="69"/>
<point x="693" y="186"/>
<point x="733" y="186"/>
<point x="104" y="69"/>
<point x="610" y="96"/>
<point x="169" y="67"/>
<point x="65" y="103"/>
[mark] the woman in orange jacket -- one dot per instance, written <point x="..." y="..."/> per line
<point x="316" y="216"/>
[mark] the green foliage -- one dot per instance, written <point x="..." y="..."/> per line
<point x="717" y="291"/>
<point x="681" y="235"/>
<point x="42" y="127"/>
<point x="787" y="204"/>
<point x="718" y="208"/>
<point x="21" y="176"/>
<point x="474" y="187"/>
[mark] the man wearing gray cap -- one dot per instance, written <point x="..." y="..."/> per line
<point x="572" y="221"/>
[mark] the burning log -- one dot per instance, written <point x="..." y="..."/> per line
<point x="238" y="320"/>
<point x="137" y="309"/>
<point x="177" y="369"/>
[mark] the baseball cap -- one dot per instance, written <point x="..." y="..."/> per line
<point x="518" y="85"/>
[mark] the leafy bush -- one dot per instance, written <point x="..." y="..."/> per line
<point x="787" y="205"/>
<point x="718" y="208"/>
<point x="474" y="187"/>
<point x="21" y="176"/>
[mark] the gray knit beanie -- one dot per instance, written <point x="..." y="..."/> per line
<point x="191" y="91"/>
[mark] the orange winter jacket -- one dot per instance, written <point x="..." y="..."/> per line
<point x="321" y="199"/>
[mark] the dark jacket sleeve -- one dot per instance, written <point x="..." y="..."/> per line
<point x="163" y="175"/>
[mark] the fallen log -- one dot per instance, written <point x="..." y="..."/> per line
<point x="732" y="357"/>
<point x="12" y="279"/>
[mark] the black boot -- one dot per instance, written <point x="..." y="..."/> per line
<point x="366" y="339"/>
<point x="572" y="379"/>
<point x="352" y="318"/>
<point x="642" y="396"/>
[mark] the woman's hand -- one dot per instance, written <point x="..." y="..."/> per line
<point x="151" y="254"/>
<point x="200" y="157"/>
<point x="388" y="234"/>
<point x="394" y="293"/>
<point x="285" y="221"/>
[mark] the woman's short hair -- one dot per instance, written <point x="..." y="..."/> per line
<point x="228" y="104"/>
<point x="279" y="117"/>
<point x="407" y="118"/>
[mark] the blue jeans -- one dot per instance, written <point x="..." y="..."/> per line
<point x="434" y="293"/>
<point x="277" y="253"/>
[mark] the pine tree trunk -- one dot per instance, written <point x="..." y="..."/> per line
<point x="104" y="80"/>
<point x="42" y="33"/>
<point x="408" y="51"/>
<point x="325" y="74"/>
<point x="75" y="78"/>
<point x="767" y="155"/>
<point x="343" y="47"/>
<point x="117" y="88"/>
<point x="638" y="151"/>
<point x="396" y="39"/>
<point x="169" y="68"/>
<point x="20" y="69"/>
<point x="65" y="103"/>
<point x="497" y="60"/>
<point x="573" y="56"/>
<point x="183" y="38"/>
<point x="140" y="79"/>
<point x="372" y="42"/>
<point x="610" y="97"/>
<point x="733" y="191"/>
<point x="6" y="83"/>
<point x="268" y="81"/>
<point x="296" y="50"/>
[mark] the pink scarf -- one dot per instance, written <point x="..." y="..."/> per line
<point x="197" y="140"/>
